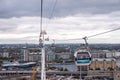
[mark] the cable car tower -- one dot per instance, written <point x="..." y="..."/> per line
<point x="42" y="46"/>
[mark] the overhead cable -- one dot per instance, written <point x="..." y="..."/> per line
<point x="91" y="35"/>
<point x="103" y="32"/>
<point x="52" y="13"/>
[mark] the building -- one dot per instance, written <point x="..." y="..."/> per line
<point x="34" y="56"/>
<point x="116" y="54"/>
<point x="98" y="54"/>
<point x="109" y="54"/>
<point x="30" y="54"/>
<point x="50" y="56"/>
<point x="103" y="64"/>
<point x="63" y="56"/>
<point x="24" y="54"/>
<point x="5" y="54"/>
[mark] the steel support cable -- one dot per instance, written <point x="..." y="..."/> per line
<point x="53" y="9"/>
<point x="103" y="32"/>
<point x="51" y="14"/>
<point x="91" y="35"/>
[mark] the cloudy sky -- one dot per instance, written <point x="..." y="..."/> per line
<point x="19" y="20"/>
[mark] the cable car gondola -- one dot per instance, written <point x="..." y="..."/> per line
<point x="82" y="57"/>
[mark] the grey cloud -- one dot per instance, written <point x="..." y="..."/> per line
<point x="17" y="41"/>
<point x="88" y="6"/>
<point x="7" y="27"/>
<point x="18" y="8"/>
<point x="4" y="29"/>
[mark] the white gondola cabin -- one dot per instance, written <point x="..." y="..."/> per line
<point x="82" y="58"/>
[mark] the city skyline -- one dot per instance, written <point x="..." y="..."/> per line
<point x="71" y="19"/>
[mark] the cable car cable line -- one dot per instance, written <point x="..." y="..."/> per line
<point x="103" y="32"/>
<point x="53" y="9"/>
<point x="52" y="13"/>
<point x="91" y="35"/>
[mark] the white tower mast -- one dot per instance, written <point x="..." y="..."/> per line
<point x="41" y="45"/>
<point x="43" y="72"/>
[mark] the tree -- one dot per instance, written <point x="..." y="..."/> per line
<point x="97" y="69"/>
<point x="65" y="69"/>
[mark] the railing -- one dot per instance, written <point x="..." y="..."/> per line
<point x="10" y="74"/>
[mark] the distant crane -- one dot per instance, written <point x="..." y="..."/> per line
<point x="33" y="73"/>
